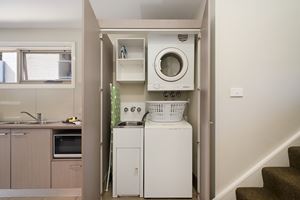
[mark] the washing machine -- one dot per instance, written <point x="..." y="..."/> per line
<point x="171" y="62"/>
<point x="168" y="160"/>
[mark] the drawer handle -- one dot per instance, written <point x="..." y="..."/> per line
<point x="75" y="166"/>
<point x="3" y="134"/>
<point x="18" y="134"/>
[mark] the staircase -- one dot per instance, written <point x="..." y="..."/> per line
<point x="280" y="183"/>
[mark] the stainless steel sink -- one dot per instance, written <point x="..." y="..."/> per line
<point x="7" y="122"/>
<point x="27" y="122"/>
<point x="130" y="124"/>
<point x="36" y="122"/>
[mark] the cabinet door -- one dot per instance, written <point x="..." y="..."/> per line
<point x="4" y="158"/>
<point x="66" y="174"/>
<point x="30" y="158"/>
<point x="128" y="172"/>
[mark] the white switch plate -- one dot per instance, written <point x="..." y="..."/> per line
<point x="236" y="92"/>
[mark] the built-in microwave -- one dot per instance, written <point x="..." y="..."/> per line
<point x="67" y="144"/>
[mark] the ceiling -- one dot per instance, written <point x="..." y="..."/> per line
<point x="68" y="13"/>
<point x="40" y="13"/>
<point x="146" y="9"/>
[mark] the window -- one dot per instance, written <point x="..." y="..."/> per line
<point x="8" y="67"/>
<point x="36" y="65"/>
<point x="46" y="66"/>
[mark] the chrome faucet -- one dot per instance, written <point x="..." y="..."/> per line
<point x="38" y="117"/>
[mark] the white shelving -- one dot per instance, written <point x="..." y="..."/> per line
<point x="131" y="67"/>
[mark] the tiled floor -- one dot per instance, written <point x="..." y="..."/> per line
<point x="108" y="196"/>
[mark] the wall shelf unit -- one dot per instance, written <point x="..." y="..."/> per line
<point x="130" y="66"/>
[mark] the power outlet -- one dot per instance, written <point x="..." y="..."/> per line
<point x="236" y="92"/>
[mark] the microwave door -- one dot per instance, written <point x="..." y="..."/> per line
<point x="67" y="146"/>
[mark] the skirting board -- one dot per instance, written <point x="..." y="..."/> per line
<point x="230" y="189"/>
<point x="72" y="192"/>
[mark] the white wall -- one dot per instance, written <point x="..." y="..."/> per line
<point x="54" y="104"/>
<point x="257" y="48"/>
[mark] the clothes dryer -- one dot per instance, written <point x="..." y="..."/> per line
<point x="171" y="62"/>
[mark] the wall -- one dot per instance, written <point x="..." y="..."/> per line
<point x="91" y="135"/>
<point x="54" y="104"/>
<point x="257" y="48"/>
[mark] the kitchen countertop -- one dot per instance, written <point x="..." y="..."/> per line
<point x="56" y="125"/>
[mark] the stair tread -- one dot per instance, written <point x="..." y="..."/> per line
<point x="284" y="181"/>
<point x="289" y="175"/>
<point x="295" y="148"/>
<point x="294" y="157"/>
<point x="255" y="193"/>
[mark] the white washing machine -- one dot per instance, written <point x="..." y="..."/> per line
<point x="168" y="160"/>
<point x="171" y="62"/>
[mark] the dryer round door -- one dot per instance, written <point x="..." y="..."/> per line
<point x="171" y="64"/>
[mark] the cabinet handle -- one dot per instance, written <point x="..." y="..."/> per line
<point x="18" y="134"/>
<point x="75" y="166"/>
<point x="3" y="134"/>
<point x="136" y="171"/>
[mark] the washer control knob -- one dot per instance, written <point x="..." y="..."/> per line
<point x="125" y="109"/>
<point x="139" y="109"/>
<point x="172" y="94"/>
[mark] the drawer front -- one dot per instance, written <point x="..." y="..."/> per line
<point x="66" y="174"/>
<point x="128" y="137"/>
<point x="25" y="131"/>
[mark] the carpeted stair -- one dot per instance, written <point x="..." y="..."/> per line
<point x="280" y="183"/>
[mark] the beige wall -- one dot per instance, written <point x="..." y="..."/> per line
<point x="92" y="147"/>
<point x="54" y="104"/>
<point x="257" y="48"/>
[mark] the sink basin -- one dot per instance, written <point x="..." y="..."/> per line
<point x="130" y="124"/>
<point x="28" y="122"/>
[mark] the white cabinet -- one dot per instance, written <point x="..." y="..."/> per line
<point x="128" y="170"/>
<point x="130" y="59"/>
<point x="128" y="162"/>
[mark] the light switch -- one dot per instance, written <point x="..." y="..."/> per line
<point x="236" y="92"/>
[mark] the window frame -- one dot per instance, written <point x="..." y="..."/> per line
<point x="21" y="47"/>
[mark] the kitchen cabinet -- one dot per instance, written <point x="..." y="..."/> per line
<point x="30" y="158"/>
<point x="66" y="174"/>
<point x="128" y="162"/>
<point x="4" y="158"/>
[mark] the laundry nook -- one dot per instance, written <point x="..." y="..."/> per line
<point x="152" y="95"/>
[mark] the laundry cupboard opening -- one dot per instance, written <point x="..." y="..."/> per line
<point x="126" y="91"/>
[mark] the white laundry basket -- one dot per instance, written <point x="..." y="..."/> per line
<point x="166" y="111"/>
